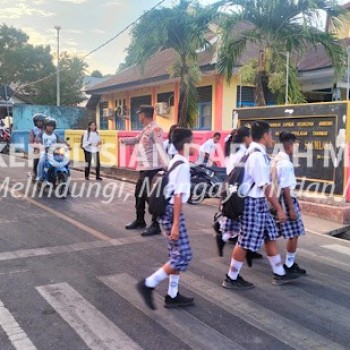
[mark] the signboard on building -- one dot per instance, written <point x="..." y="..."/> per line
<point x="320" y="129"/>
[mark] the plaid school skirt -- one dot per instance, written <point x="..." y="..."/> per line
<point x="257" y="224"/>
<point x="230" y="226"/>
<point x="291" y="229"/>
<point x="180" y="253"/>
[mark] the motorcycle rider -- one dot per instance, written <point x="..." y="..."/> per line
<point x="47" y="138"/>
<point x="38" y="120"/>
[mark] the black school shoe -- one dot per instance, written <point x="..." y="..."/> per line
<point x="178" y="301"/>
<point x="238" y="284"/>
<point x="153" y="230"/>
<point x="146" y="293"/>
<point x="252" y="255"/>
<point x="295" y="269"/>
<point x="135" y="225"/>
<point x="288" y="277"/>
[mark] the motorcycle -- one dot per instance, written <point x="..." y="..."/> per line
<point x="57" y="171"/>
<point x="206" y="182"/>
<point x="5" y="140"/>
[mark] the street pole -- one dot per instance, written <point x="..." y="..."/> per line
<point x="287" y="78"/>
<point x="347" y="73"/>
<point x="7" y="107"/>
<point x="58" y="67"/>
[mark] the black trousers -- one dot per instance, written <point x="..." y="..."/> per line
<point x="88" y="157"/>
<point x="143" y="183"/>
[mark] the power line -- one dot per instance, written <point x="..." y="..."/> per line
<point x="99" y="47"/>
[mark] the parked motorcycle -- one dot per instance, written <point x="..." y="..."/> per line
<point x="57" y="171"/>
<point x="206" y="182"/>
<point x="5" y="140"/>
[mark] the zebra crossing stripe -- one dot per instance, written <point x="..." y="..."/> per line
<point x="95" y="329"/>
<point x="337" y="248"/>
<point x="313" y="306"/>
<point x="16" y="335"/>
<point x="286" y="331"/>
<point x="186" y="327"/>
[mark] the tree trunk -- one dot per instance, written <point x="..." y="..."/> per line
<point x="183" y="117"/>
<point x="259" y="85"/>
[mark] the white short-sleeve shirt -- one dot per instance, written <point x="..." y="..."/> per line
<point x="285" y="172"/>
<point x="208" y="147"/>
<point x="179" y="179"/>
<point x="235" y="158"/>
<point x="257" y="171"/>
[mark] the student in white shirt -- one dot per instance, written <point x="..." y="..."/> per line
<point x="283" y="176"/>
<point x="230" y="228"/>
<point x="173" y="223"/>
<point x="207" y="150"/>
<point x="168" y="144"/>
<point x="91" y="144"/>
<point x="257" y="226"/>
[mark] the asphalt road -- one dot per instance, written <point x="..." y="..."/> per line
<point x="68" y="270"/>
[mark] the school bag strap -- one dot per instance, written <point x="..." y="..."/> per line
<point x="175" y="165"/>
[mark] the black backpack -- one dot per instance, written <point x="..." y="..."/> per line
<point x="157" y="201"/>
<point x="232" y="198"/>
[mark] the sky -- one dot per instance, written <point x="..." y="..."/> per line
<point x="85" y="24"/>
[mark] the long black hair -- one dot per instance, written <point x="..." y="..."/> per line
<point x="88" y="128"/>
<point x="228" y="143"/>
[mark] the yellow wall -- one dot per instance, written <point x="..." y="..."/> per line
<point x="166" y="122"/>
<point x="108" y="151"/>
<point x="229" y="102"/>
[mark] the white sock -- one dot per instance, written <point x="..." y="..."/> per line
<point x="290" y="258"/>
<point x="153" y="280"/>
<point x="173" y="288"/>
<point x="226" y="236"/>
<point x="276" y="264"/>
<point x="235" y="267"/>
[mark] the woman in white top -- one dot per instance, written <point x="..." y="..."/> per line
<point x="91" y="144"/>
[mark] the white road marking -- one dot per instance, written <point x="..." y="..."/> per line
<point x="337" y="248"/>
<point x="286" y="331"/>
<point x="95" y="329"/>
<point x="16" y="335"/>
<point x="183" y="325"/>
<point x="28" y="253"/>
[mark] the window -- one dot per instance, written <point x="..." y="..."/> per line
<point x="167" y="97"/>
<point x="136" y="102"/>
<point x="246" y="98"/>
<point x="103" y="120"/>
<point x="204" y="118"/>
<point x="119" y="122"/>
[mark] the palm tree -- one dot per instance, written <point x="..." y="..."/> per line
<point x="275" y="27"/>
<point x="182" y="29"/>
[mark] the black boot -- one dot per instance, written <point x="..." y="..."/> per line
<point x="137" y="224"/>
<point x="152" y="230"/>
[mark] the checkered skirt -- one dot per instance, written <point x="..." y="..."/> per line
<point x="230" y="226"/>
<point x="257" y="224"/>
<point x="180" y="253"/>
<point x="291" y="229"/>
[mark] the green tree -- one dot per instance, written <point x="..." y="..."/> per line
<point x="96" y="74"/>
<point x="276" y="27"/>
<point x="21" y="62"/>
<point x="182" y="29"/>
<point x="72" y="72"/>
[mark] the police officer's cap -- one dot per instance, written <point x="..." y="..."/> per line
<point x="146" y="109"/>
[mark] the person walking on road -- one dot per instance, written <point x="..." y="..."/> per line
<point x="257" y="224"/>
<point x="284" y="180"/>
<point x="207" y="149"/>
<point x="150" y="160"/>
<point x="173" y="223"/>
<point x="91" y="144"/>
